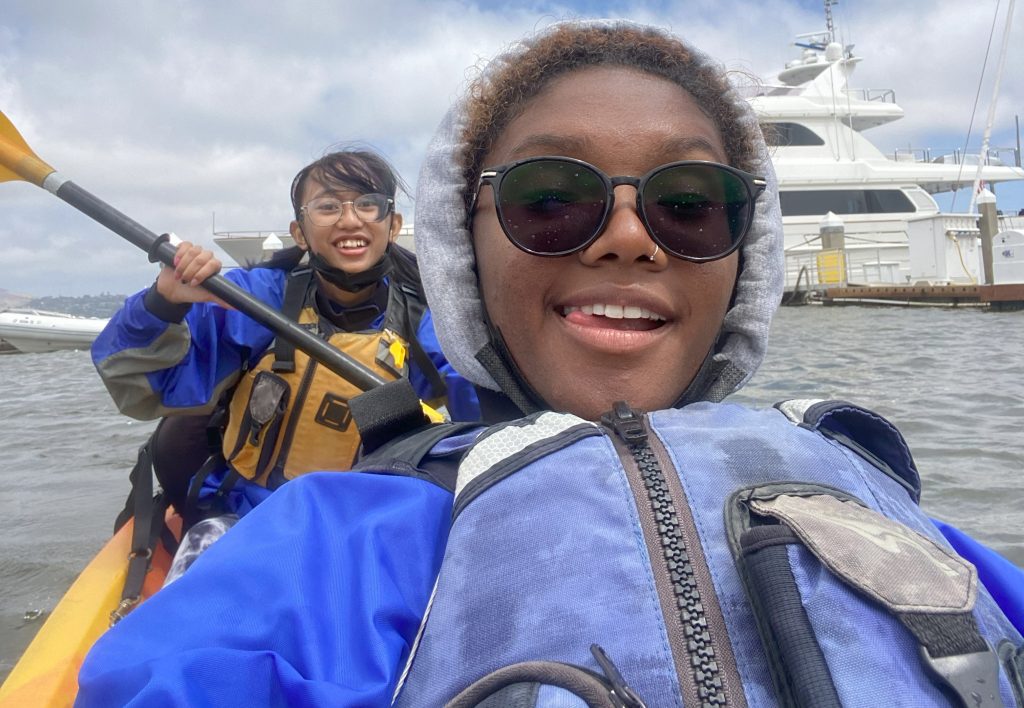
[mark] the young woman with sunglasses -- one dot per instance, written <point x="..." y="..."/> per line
<point x="173" y="351"/>
<point x="600" y="237"/>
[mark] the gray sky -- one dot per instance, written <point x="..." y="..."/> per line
<point x="172" y="111"/>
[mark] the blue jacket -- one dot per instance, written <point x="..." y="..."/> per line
<point x="328" y="622"/>
<point x="158" y="359"/>
<point x="332" y="620"/>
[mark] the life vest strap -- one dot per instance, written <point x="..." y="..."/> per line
<point x="296" y="287"/>
<point x="801" y="674"/>
<point x="193" y="512"/>
<point x="148" y="512"/>
<point x="955" y="652"/>
<point x="387" y="412"/>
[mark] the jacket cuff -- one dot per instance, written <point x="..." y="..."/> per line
<point x="166" y="310"/>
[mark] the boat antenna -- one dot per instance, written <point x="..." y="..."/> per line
<point x="829" y="25"/>
<point x="983" y="157"/>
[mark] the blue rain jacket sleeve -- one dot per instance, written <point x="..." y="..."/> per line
<point x="312" y="599"/>
<point x="1003" y="580"/>
<point x="154" y="368"/>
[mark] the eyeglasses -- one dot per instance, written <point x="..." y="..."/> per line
<point x="368" y="208"/>
<point x="553" y="206"/>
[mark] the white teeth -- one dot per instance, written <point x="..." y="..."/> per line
<point x="615" y="312"/>
<point x="352" y="243"/>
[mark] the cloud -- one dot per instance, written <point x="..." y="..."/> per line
<point x="175" y="111"/>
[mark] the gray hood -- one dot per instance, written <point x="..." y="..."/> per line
<point x="448" y="264"/>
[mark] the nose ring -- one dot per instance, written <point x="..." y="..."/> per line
<point x="656" y="249"/>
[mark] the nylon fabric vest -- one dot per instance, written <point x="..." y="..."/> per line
<point x="711" y="555"/>
<point x="285" y="424"/>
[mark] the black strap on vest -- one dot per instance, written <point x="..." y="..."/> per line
<point x="404" y="455"/>
<point x="148" y="512"/>
<point x="296" y="286"/>
<point x="387" y="412"/>
<point x="196" y="512"/>
<point x="414" y="306"/>
<point x="955" y="652"/>
<point x="497" y="363"/>
<point x="802" y="677"/>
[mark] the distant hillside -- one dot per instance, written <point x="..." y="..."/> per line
<point x="102" y="305"/>
<point x="9" y="299"/>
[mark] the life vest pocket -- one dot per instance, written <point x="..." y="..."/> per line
<point x="256" y="438"/>
<point x="817" y="563"/>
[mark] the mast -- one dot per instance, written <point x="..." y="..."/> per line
<point x="983" y="157"/>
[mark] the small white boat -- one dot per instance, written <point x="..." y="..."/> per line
<point x="29" y="331"/>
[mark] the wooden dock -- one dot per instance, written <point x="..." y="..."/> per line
<point x="1003" y="297"/>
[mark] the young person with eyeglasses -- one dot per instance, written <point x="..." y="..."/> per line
<point x="601" y="242"/>
<point x="174" y="351"/>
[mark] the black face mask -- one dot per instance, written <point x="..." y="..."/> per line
<point x="352" y="282"/>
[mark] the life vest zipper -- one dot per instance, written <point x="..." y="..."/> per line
<point x="696" y="630"/>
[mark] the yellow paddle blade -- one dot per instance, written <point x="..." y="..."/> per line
<point x="17" y="161"/>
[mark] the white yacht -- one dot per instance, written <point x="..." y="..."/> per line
<point x="30" y="331"/>
<point x="825" y="164"/>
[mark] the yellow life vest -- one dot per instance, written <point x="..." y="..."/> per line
<point x="282" y="424"/>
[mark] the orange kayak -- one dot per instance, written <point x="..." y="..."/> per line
<point x="47" y="673"/>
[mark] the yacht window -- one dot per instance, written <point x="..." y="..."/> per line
<point x="816" y="202"/>
<point x="889" y="201"/>
<point x="789" y="134"/>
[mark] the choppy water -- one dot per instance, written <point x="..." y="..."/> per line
<point x="953" y="380"/>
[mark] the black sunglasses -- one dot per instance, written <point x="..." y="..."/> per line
<point x="553" y="206"/>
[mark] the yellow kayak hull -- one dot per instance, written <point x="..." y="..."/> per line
<point x="47" y="673"/>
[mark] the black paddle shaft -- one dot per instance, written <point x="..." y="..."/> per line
<point x="160" y="249"/>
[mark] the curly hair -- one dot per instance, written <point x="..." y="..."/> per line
<point x="497" y="97"/>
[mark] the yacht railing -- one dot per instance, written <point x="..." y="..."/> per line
<point x="870" y="238"/>
<point x="957" y="156"/>
<point x="859" y="94"/>
<point x="250" y="234"/>
<point x="875" y="257"/>
<point x="874" y="266"/>
<point x="405" y="231"/>
<point x="868" y="94"/>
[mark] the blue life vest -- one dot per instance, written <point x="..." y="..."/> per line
<point x="712" y="555"/>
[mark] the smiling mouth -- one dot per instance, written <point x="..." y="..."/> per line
<point x="351" y="243"/>
<point x="618" y="317"/>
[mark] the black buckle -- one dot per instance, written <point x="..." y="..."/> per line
<point x="334" y="412"/>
